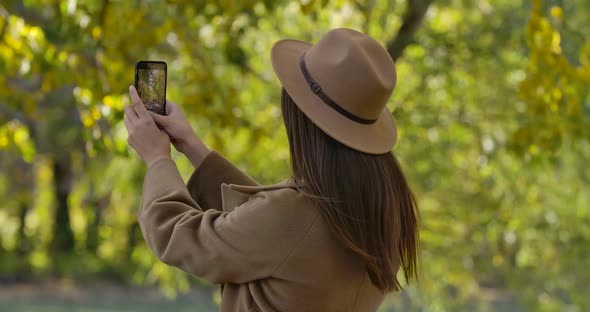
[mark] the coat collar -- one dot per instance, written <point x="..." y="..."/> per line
<point x="233" y="195"/>
<point x="251" y="189"/>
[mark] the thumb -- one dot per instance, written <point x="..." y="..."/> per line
<point x="171" y="107"/>
<point x="160" y="119"/>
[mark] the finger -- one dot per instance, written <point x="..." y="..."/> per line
<point x="137" y="103"/>
<point x="171" y="107"/>
<point x="128" y="122"/>
<point x="159" y="119"/>
<point x="130" y="113"/>
<point x="163" y="132"/>
<point x="129" y="127"/>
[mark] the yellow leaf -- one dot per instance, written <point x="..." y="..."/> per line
<point x="21" y="136"/>
<point x="556" y="93"/>
<point x="108" y="101"/>
<point x="62" y="56"/>
<point x="3" y="141"/>
<point x="497" y="260"/>
<point x="95" y="114"/>
<point x="88" y="121"/>
<point x="583" y="73"/>
<point x="96" y="32"/>
<point x="306" y="6"/>
<point x="533" y="149"/>
<point x="556" y="12"/>
<point x="555" y="42"/>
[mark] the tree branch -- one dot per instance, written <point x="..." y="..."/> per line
<point x="411" y="22"/>
<point x="25" y="85"/>
<point x="7" y="114"/>
<point x="100" y="49"/>
<point x="30" y="16"/>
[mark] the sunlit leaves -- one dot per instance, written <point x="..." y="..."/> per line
<point x="17" y="135"/>
<point x="555" y="89"/>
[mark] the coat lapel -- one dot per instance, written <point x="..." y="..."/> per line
<point x="234" y="195"/>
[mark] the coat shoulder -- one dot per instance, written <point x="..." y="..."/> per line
<point x="281" y="200"/>
<point x="282" y="197"/>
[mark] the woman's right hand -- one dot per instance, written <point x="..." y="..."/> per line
<point x="182" y="135"/>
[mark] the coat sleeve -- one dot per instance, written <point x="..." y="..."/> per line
<point x="204" y="184"/>
<point x="246" y="244"/>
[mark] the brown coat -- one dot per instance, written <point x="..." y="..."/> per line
<point x="267" y="246"/>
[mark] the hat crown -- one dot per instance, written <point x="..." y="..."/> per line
<point x="342" y="84"/>
<point x="354" y="70"/>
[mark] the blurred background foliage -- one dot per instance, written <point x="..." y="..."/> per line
<point x="492" y="103"/>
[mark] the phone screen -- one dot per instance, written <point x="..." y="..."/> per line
<point x="150" y="81"/>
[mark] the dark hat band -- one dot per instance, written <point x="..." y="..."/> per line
<point x="317" y="89"/>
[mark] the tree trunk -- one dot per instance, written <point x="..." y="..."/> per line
<point x="134" y="236"/>
<point x="22" y="244"/>
<point x="98" y="203"/>
<point x="411" y="23"/>
<point x="63" y="237"/>
<point x="92" y="231"/>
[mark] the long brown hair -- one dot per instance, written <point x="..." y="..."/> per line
<point x="364" y="198"/>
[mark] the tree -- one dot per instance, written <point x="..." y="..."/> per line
<point x="491" y="104"/>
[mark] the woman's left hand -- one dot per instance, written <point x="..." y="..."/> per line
<point x="151" y="143"/>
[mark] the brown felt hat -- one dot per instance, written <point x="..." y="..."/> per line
<point x="342" y="83"/>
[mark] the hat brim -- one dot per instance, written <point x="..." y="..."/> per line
<point x="375" y="138"/>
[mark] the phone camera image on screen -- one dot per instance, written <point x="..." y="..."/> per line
<point x="151" y="86"/>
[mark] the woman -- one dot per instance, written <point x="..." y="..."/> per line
<point x="330" y="238"/>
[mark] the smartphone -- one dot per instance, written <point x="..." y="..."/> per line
<point x="150" y="82"/>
